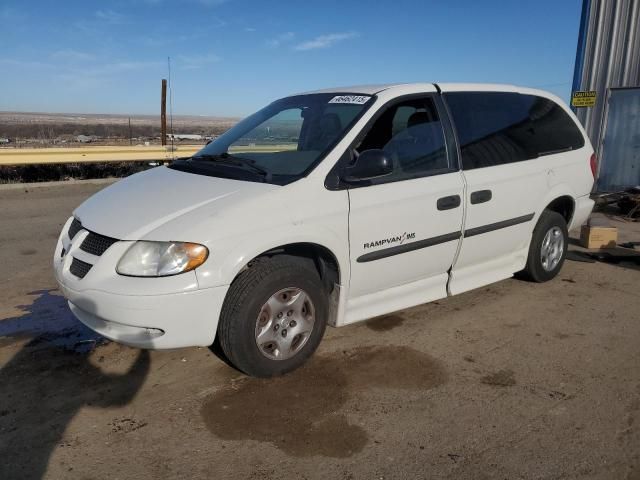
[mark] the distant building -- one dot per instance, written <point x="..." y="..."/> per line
<point x="184" y="136"/>
<point x="86" y="138"/>
<point x="4" y="141"/>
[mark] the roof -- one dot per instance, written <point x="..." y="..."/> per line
<point x="362" y="89"/>
<point x="445" y="87"/>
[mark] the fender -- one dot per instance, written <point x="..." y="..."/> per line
<point x="239" y="254"/>
<point x="228" y="259"/>
<point x="557" y="191"/>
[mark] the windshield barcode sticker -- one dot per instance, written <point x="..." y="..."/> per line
<point x="353" y="99"/>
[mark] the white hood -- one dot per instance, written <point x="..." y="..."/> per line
<point x="136" y="205"/>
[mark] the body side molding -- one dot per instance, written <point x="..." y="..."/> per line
<point x="498" y="225"/>
<point x="408" y="247"/>
<point x="448" y="237"/>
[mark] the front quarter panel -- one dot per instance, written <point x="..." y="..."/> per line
<point x="298" y="213"/>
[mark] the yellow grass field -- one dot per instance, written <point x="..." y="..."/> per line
<point x="40" y="156"/>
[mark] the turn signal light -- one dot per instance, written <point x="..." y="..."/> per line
<point x="594" y="164"/>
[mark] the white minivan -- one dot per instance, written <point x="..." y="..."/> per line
<point x="329" y="207"/>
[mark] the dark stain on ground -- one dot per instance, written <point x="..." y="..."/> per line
<point x="384" y="324"/>
<point x="501" y="378"/>
<point x="302" y="413"/>
<point x="28" y="251"/>
<point x="561" y="336"/>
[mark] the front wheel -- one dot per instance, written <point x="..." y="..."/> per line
<point x="274" y="316"/>
<point x="548" y="248"/>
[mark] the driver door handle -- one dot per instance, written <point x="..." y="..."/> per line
<point x="447" y="203"/>
<point x="480" y="196"/>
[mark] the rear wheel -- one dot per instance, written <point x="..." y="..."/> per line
<point x="548" y="247"/>
<point x="274" y="316"/>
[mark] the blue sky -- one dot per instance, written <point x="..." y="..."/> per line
<point x="230" y="57"/>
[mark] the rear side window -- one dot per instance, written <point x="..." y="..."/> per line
<point x="495" y="128"/>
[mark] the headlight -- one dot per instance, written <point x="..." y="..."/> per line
<point x="161" y="259"/>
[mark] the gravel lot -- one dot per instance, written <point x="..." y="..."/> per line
<point x="515" y="380"/>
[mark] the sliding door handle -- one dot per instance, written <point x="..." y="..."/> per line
<point x="481" y="196"/>
<point x="447" y="203"/>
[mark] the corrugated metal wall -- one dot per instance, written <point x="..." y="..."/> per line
<point x="608" y="56"/>
<point x="620" y="162"/>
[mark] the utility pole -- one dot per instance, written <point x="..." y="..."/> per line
<point x="163" y="111"/>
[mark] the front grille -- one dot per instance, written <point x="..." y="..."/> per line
<point x="79" y="268"/>
<point x="96" y="244"/>
<point x="93" y="243"/>
<point x="75" y="227"/>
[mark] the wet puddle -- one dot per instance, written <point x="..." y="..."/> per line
<point x="49" y="323"/>
<point x="384" y="324"/>
<point x="301" y="413"/>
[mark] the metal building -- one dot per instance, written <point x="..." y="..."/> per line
<point x="608" y="63"/>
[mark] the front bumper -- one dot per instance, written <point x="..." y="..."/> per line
<point x="167" y="312"/>
<point x="150" y="321"/>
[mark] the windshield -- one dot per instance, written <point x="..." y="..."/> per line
<point x="283" y="141"/>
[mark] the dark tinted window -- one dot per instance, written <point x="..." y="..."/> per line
<point x="496" y="128"/>
<point x="411" y="135"/>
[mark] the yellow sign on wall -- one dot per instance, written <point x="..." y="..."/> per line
<point x="583" y="98"/>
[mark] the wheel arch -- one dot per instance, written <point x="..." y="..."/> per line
<point x="324" y="259"/>
<point x="565" y="205"/>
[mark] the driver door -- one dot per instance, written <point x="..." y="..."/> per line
<point x="405" y="227"/>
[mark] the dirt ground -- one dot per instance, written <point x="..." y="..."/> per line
<point x="514" y="380"/>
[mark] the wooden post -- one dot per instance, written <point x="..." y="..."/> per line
<point x="163" y="112"/>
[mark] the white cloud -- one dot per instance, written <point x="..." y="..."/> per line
<point x="111" y="17"/>
<point x="191" y="62"/>
<point x="280" y="39"/>
<point x="216" y="22"/>
<point x="71" y="55"/>
<point x="11" y="62"/>
<point x="325" y="41"/>
<point x="249" y="29"/>
<point x="84" y="76"/>
<point x="92" y="77"/>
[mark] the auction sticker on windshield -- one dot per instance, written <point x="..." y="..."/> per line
<point x="353" y="99"/>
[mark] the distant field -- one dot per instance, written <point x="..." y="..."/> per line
<point x="52" y="119"/>
<point x="50" y="129"/>
<point x="107" y="154"/>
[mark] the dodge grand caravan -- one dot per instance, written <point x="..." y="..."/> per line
<point x="329" y="207"/>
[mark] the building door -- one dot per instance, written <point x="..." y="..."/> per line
<point x="620" y="151"/>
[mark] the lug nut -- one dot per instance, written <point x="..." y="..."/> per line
<point x="289" y="313"/>
<point x="284" y="332"/>
<point x="276" y="327"/>
<point x="280" y="315"/>
<point x="292" y="323"/>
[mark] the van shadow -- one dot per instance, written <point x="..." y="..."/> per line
<point x="49" y="380"/>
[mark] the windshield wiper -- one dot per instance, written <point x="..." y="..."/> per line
<point x="227" y="159"/>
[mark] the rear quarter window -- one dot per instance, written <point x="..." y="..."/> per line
<point x="496" y="128"/>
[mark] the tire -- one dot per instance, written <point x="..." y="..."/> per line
<point x="257" y="330"/>
<point x="551" y="235"/>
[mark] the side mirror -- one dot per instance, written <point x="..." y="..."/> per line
<point x="370" y="164"/>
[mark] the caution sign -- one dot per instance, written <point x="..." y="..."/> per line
<point x="583" y="98"/>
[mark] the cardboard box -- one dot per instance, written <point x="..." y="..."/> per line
<point x="598" y="237"/>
